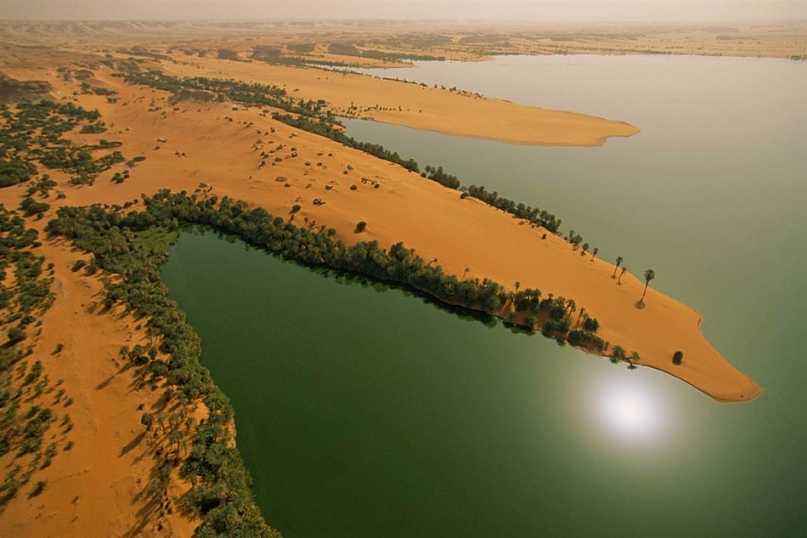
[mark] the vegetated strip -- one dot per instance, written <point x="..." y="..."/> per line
<point x="29" y="402"/>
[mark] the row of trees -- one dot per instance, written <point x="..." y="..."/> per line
<point x="328" y="130"/>
<point x="349" y="49"/>
<point x="533" y="214"/>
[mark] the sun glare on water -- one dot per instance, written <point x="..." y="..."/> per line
<point x="628" y="411"/>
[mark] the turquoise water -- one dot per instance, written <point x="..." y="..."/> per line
<point x="365" y="412"/>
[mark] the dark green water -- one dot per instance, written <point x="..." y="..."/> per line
<point x="365" y="412"/>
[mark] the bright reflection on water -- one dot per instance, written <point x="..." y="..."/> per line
<point x="630" y="412"/>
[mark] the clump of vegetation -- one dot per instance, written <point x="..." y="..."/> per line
<point x="31" y="207"/>
<point x="227" y="54"/>
<point x="12" y="90"/>
<point x="32" y="132"/>
<point x="37" y="490"/>
<point x="93" y="128"/>
<point x="14" y="171"/>
<point x="360" y="226"/>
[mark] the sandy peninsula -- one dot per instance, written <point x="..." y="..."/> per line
<point x="413" y="105"/>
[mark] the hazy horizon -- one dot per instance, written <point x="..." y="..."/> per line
<point x="646" y="11"/>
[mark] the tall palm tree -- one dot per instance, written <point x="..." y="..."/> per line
<point x="649" y="275"/>
<point x="580" y="316"/>
<point x="619" y="282"/>
<point x="594" y="253"/>
<point x="616" y="267"/>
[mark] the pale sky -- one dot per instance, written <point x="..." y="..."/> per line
<point x="659" y="11"/>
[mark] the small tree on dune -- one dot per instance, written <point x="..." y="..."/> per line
<point x="619" y="282"/>
<point x="580" y="315"/>
<point x="649" y="275"/>
<point x="616" y="267"/>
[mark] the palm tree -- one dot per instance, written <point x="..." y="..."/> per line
<point x="594" y="253"/>
<point x="616" y="267"/>
<point x="649" y="275"/>
<point x="634" y="358"/>
<point x="619" y="282"/>
<point x="580" y="316"/>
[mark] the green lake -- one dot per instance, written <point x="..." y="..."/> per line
<point x="366" y="412"/>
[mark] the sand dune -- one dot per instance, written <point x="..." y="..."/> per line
<point x="415" y="106"/>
